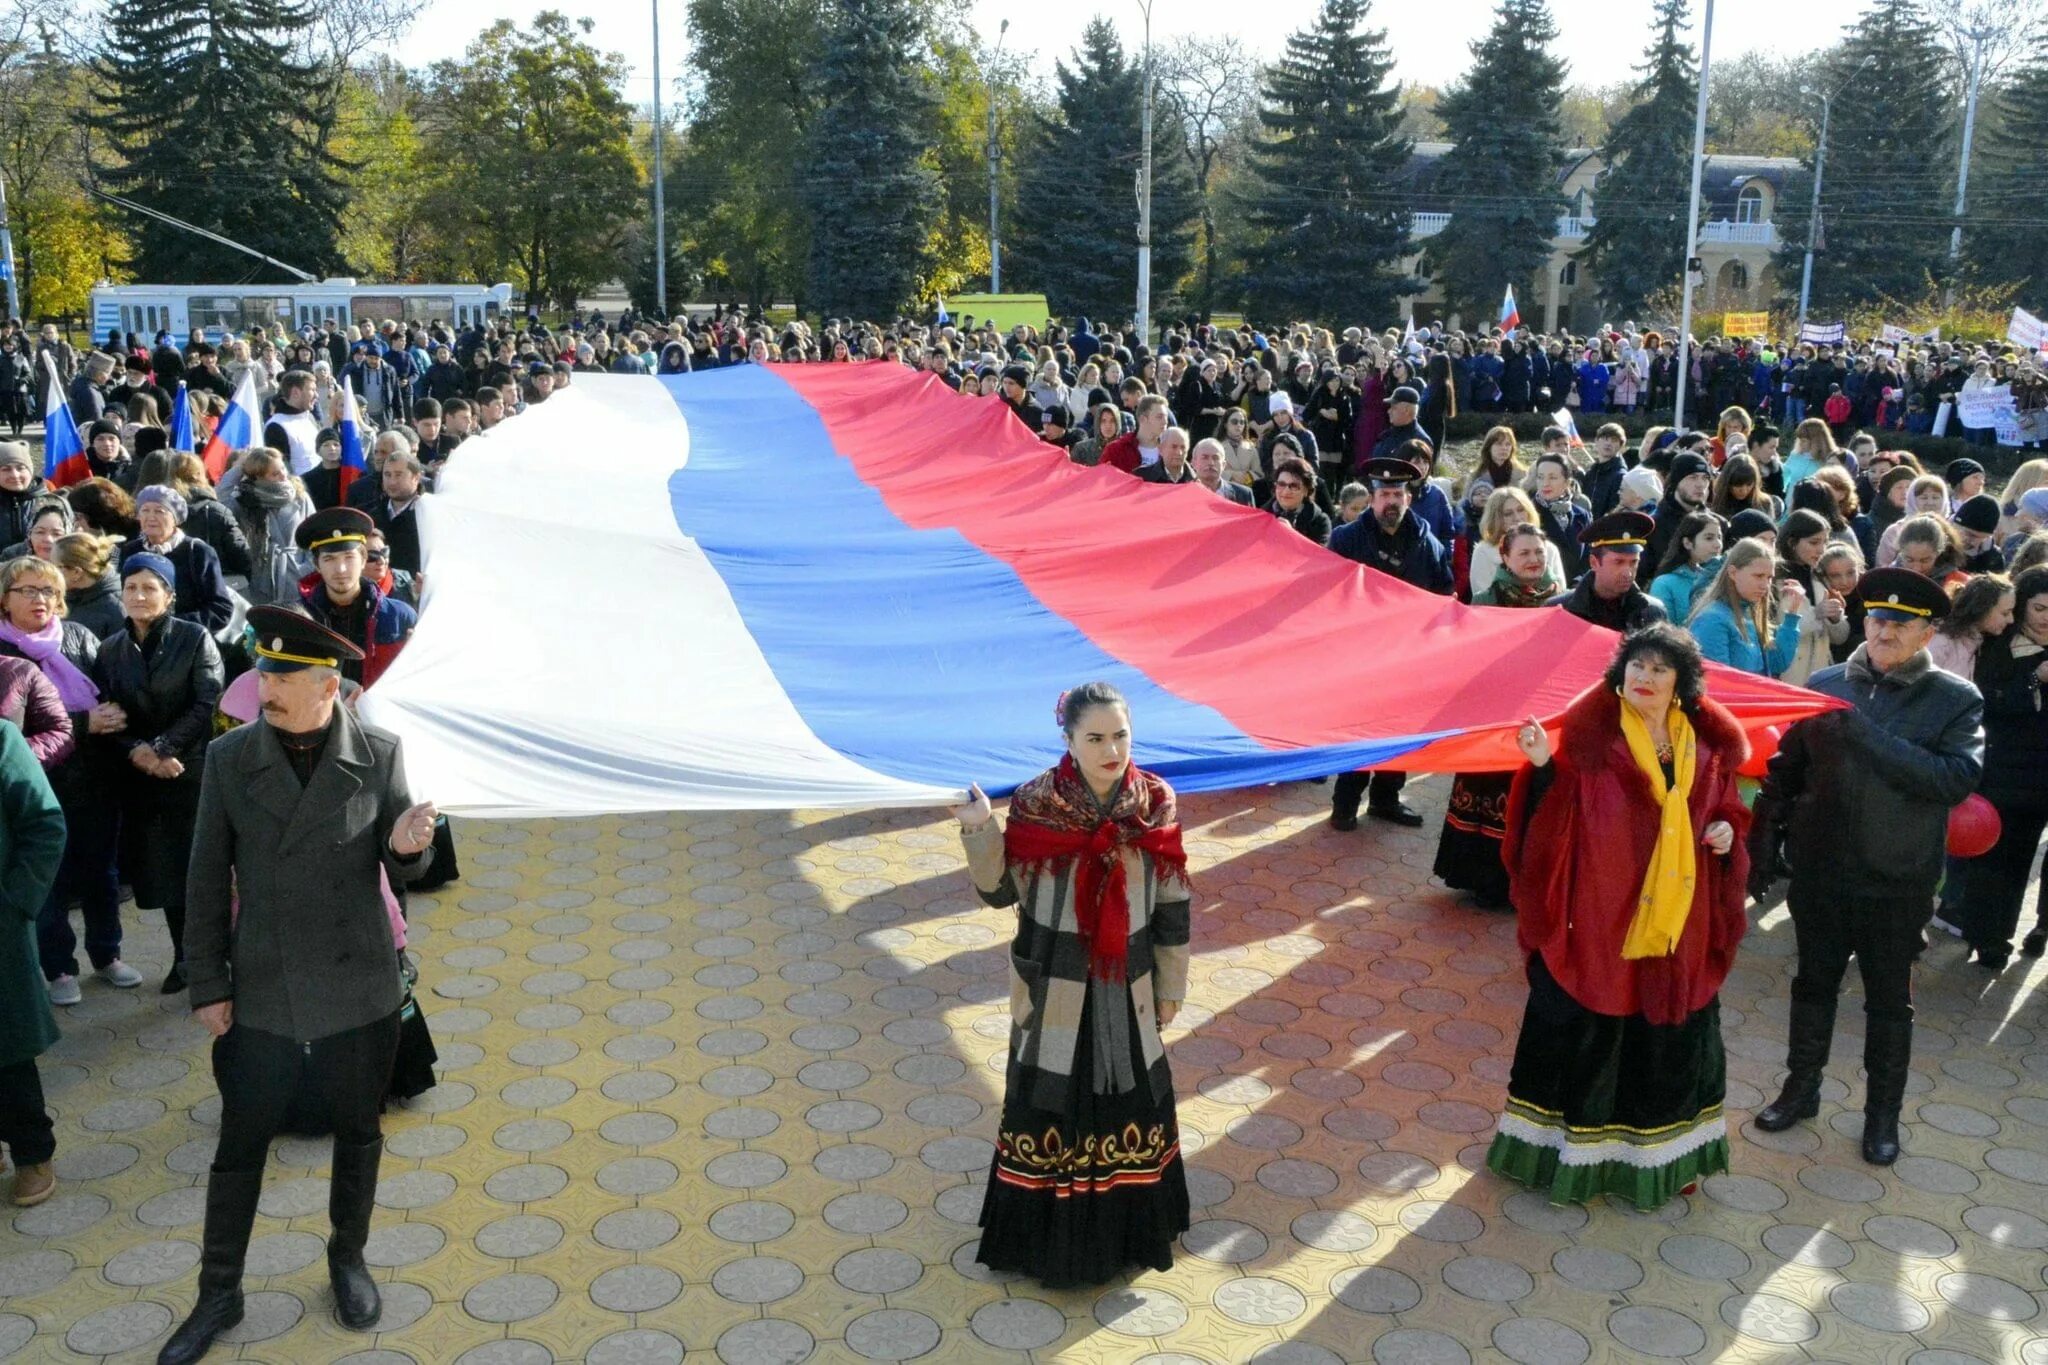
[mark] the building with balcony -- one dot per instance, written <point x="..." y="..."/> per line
<point x="1738" y="238"/>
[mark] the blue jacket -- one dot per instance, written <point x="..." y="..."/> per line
<point x="1439" y="513"/>
<point x="1725" y="640"/>
<point x="1679" y="589"/>
<point x="1412" y="554"/>
<point x="1566" y="536"/>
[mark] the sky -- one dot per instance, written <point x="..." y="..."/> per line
<point x="1600" y="39"/>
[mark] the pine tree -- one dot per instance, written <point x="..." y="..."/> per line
<point x="1323" y="177"/>
<point x="1886" y="190"/>
<point x="1636" y="246"/>
<point x="868" y="179"/>
<point x="2002" y="236"/>
<point x="1074" y="232"/>
<point x="210" y="118"/>
<point x="1501" y="174"/>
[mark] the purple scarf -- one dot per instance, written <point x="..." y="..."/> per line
<point x="46" y="649"/>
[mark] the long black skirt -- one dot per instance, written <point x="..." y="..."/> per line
<point x="1605" y="1105"/>
<point x="1076" y="1197"/>
<point x="1475" y="824"/>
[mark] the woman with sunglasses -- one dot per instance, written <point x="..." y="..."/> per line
<point x="1293" y="501"/>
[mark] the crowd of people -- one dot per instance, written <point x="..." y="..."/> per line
<point x="1785" y="538"/>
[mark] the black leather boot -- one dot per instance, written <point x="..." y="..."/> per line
<point x="352" y="1194"/>
<point x="1806" y="1056"/>
<point x="230" y="1213"/>
<point x="1887" y="1052"/>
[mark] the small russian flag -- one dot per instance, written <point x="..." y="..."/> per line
<point x="181" y="421"/>
<point x="944" y="316"/>
<point x="353" y="465"/>
<point x="240" y="428"/>
<point x="64" y="461"/>
<point x="1510" y="316"/>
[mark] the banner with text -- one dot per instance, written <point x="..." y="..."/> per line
<point x="2027" y="330"/>
<point x="1824" y="333"/>
<point x="1981" y="408"/>
<point x="1746" y="325"/>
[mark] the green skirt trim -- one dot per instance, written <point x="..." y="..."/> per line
<point x="1543" y="1167"/>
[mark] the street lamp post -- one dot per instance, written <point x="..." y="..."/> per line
<point x="995" y="152"/>
<point x="1820" y="162"/>
<point x="1980" y="33"/>
<point x="1692" y="223"/>
<point x="1145" y="191"/>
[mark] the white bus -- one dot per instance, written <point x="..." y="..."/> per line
<point x="232" y="309"/>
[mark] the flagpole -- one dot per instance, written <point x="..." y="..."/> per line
<point x="1692" y="221"/>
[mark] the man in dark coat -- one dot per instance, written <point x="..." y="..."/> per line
<point x="1858" y="801"/>
<point x="1017" y="397"/>
<point x="1392" y="539"/>
<point x="1608" y="593"/>
<point x="289" y="948"/>
<point x="1404" y="405"/>
<point x="1688" y="482"/>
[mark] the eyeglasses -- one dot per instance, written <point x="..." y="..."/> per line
<point x="1289" y="483"/>
<point x="36" y="594"/>
<point x="378" y="556"/>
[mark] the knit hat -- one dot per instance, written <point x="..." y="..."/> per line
<point x="143" y="560"/>
<point x="1280" y="402"/>
<point x="1687" y="463"/>
<point x="163" y="493"/>
<point x="16" y="452"/>
<point x="102" y="426"/>
<point x="49" y="503"/>
<point x="1958" y="470"/>
<point x="1893" y="477"/>
<point x="1644" y="483"/>
<point x="1980" y="514"/>
<point x="1750" y="522"/>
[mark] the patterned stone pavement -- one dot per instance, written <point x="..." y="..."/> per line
<point x="722" y="1088"/>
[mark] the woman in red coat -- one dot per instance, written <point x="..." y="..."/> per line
<point x="1627" y="869"/>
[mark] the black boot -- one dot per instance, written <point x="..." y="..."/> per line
<point x="1887" y="1052"/>
<point x="1806" y="1056"/>
<point x="351" y="1196"/>
<point x="230" y="1213"/>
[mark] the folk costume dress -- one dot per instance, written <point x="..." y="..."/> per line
<point x="1630" y="925"/>
<point x="1087" y="1178"/>
<point x="1476" y="818"/>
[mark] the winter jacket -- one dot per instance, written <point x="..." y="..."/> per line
<point x="1580" y="834"/>
<point x="386" y="624"/>
<point x="2015" y="726"/>
<point x="275" y="561"/>
<point x="98" y="608"/>
<point x="82" y="774"/>
<point x="1679" y="589"/>
<point x="1860" y="797"/>
<point x="1412" y="554"/>
<point x="1309" y="519"/>
<point x="30" y="702"/>
<point x="1561" y="524"/>
<point x="18" y="509"/>
<point x="31" y="847"/>
<point x="1631" y="611"/>
<point x="1725" y="640"/>
<point x="208" y="519"/>
<point x="169" y="694"/>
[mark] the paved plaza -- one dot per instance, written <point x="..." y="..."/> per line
<point x="722" y="1087"/>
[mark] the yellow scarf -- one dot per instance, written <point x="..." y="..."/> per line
<point x="1666" y="897"/>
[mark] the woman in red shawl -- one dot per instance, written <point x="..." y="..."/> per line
<point x="1087" y="1177"/>
<point x="1627" y="869"/>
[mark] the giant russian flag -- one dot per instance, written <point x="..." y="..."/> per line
<point x="845" y="585"/>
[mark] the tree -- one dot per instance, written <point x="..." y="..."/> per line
<point x="1760" y="104"/>
<point x="1332" y="229"/>
<point x="1501" y="174"/>
<point x="1885" y="197"/>
<point x="387" y="232"/>
<point x="179" y="81"/>
<point x="2008" y="200"/>
<point x="1635" y="246"/>
<point x="1074" y="232"/>
<point x="534" y="146"/>
<point x="1209" y="85"/>
<point x="868" y="180"/>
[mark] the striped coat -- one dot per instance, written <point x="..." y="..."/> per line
<point x="1049" y="964"/>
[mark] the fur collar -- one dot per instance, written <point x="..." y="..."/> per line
<point x="1592" y="730"/>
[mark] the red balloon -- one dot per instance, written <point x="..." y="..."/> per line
<point x="1763" y="742"/>
<point x="1973" y="827"/>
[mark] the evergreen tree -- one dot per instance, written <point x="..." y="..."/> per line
<point x="1636" y="247"/>
<point x="1501" y="174"/>
<point x="1074" y="232"/>
<point x="869" y="179"/>
<point x="1890" y="174"/>
<point x="1323" y="176"/>
<point x="2002" y="236"/>
<point x="210" y="118"/>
